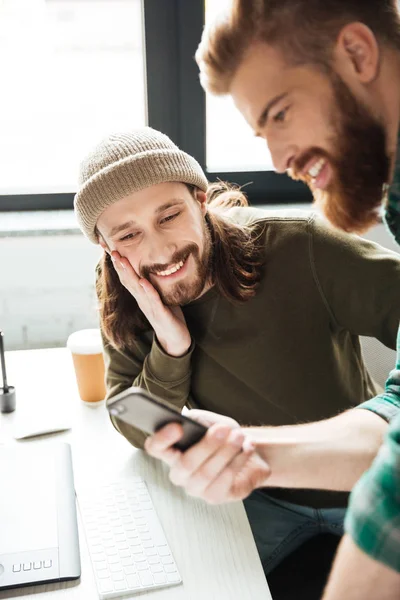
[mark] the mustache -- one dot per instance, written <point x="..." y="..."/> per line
<point x="178" y="256"/>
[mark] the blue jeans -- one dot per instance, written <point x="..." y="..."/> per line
<point x="280" y="527"/>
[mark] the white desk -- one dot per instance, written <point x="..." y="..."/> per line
<point x="213" y="546"/>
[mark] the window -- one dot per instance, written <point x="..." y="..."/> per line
<point x="77" y="69"/>
<point x="74" y="72"/>
<point x="210" y="129"/>
<point x="230" y="143"/>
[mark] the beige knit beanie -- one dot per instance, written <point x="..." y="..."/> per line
<point x="125" y="163"/>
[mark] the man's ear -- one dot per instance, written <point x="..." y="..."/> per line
<point x="201" y="198"/>
<point x="103" y="244"/>
<point x="357" y="53"/>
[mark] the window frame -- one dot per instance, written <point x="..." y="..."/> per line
<point x="179" y="31"/>
<point x="176" y="105"/>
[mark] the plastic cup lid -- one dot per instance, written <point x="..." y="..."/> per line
<point x="85" y="341"/>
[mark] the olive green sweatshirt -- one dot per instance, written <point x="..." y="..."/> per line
<point x="289" y="355"/>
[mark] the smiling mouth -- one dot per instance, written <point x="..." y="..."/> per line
<point x="316" y="168"/>
<point x="316" y="173"/>
<point x="174" y="268"/>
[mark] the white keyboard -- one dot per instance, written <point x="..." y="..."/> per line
<point x="127" y="545"/>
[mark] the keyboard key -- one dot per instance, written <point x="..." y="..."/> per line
<point x="154" y="560"/>
<point x="134" y="541"/>
<point x="100" y="565"/>
<point x="124" y="553"/>
<point x="118" y="576"/>
<point x="129" y="570"/>
<point x="106" y="585"/>
<point x="125" y="562"/>
<point x="94" y="538"/>
<point x="99" y="557"/>
<point x="164" y="551"/>
<point x="170" y="568"/>
<point x="159" y="578"/>
<point x="120" y="585"/>
<point x="173" y="577"/>
<point x="167" y="560"/>
<point x="133" y="581"/>
<point x="115" y="568"/>
<point x="146" y="578"/>
<point x="122" y="546"/>
<point x="140" y="558"/>
<point x="103" y="574"/>
<point x="156" y="568"/>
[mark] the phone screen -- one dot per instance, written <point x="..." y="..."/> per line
<point x="144" y="411"/>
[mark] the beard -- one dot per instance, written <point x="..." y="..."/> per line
<point x="192" y="285"/>
<point x="360" y="164"/>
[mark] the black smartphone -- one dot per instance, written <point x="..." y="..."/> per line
<point x="140" y="409"/>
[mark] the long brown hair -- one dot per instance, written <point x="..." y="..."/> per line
<point x="236" y="267"/>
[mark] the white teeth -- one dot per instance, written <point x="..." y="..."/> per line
<point x="173" y="269"/>
<point x="317" y="168"/>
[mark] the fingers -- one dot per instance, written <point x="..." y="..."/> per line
<point x="235" y="482"/>
<point x="126" y="273"/>
<point x="145" y="294"/>
<point x="160" y="444"/>
<point x="197" y="467"/>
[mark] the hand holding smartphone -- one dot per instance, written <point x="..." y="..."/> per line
<point x="139" y="408"/>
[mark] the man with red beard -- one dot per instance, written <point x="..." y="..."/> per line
<point x="319" y="80"/>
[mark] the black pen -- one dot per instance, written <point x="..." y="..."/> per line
<point x="3" y="363"/>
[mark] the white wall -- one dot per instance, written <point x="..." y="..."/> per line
<point x="47" y="287"/>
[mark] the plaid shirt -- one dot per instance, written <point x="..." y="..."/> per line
<point x="373" y="518"/>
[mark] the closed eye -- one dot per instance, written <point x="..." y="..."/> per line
<point x="129" y="236"/>
<point x="281" y="115"/>
<point x="169" y="218"/>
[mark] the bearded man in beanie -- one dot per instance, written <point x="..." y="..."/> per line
<point x="248" y="318"/>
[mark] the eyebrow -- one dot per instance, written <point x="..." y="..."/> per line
<point x="264" y="115"/>
<point x="121" y="227"/>
<point x="160" y="209"/>
<point x="174" y="202"/>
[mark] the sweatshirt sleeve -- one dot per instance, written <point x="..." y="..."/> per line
<point x="359" y="282"/>
<point x="149" y="367"/>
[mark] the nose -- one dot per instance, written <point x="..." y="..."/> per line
<point x="282" y="154"/>
<point x="161" y="248"/>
